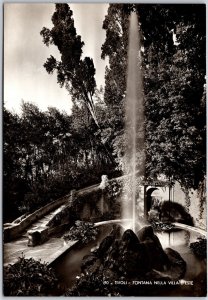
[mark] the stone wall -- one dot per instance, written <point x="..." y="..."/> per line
<point x="86" y="203"/>
<point x="14" y="229"/>
<point x="92" y="203"/>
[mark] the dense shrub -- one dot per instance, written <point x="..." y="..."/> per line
<point x="47" y="154"/>
<point x="199" y="248"/>
<point x="28" y="277"/>
<point x="82" y="231"/>
<point x="174" y="212"/>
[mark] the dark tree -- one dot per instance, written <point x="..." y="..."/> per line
<point x="174" y="85"/>
<point x="75" y="73"/>
<point x="174" y="67"/>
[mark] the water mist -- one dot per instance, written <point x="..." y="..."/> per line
<point x="134" y="132"/>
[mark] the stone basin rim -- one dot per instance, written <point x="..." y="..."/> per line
<point x="176" y="225"/>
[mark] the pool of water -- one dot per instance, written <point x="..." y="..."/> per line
<point x="68" y="266"/>
<point x="196" y="268"/>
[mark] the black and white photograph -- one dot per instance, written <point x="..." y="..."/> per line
<point x="104" y="149"/>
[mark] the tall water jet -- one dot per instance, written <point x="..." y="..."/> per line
<point x="134" y="131"/>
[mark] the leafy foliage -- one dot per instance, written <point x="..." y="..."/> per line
<point x="174" y="88"/>
<point x="174" y="212"/>
<point x="28" y="277"/>
<point x="173" y="53"/>
<point x="46" y="154"/>
<point x="75" y="73"/>
<point x="83" y="232"/>
<point x="115" y="48"/>
<point x="112" y="191"/>
<point x="199" y="248"/>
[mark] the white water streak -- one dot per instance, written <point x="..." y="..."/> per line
<point x="134" y="117"/>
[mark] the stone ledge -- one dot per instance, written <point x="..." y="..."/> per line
<point x="37" y="236"/>
<point x="46" y="253"/>
<point x="191" y="228"/>
<point x="13" y="230"/>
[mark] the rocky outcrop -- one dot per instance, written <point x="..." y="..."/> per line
<point x="177" y="266"/>
<point x="126" y="256"/>
<point x="155" y="255"/>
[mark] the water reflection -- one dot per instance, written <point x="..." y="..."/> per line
<point x="177" y="238"/>
<point x="180" y="241"/>
<point x="68" y="266"/>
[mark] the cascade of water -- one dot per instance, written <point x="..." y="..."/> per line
<point x="134" y="119"/>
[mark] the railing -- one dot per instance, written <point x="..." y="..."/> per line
<point x="13" y="230"/>
<point x="191" y="228"/>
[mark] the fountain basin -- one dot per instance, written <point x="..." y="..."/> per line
<point x="68" y="267"/>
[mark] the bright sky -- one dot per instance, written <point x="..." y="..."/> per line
<point x="25" y="78"/>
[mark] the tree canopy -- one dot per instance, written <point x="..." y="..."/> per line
<point x="173" y="52"/>
<point x="48" y="153"/>
<point x="77" y="74"/>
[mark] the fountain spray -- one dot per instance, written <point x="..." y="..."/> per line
<point x="134" y="118"/>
